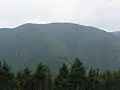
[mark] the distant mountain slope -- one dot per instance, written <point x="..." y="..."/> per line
<point x="29" y="43"/>
<point x="116" y="33"/>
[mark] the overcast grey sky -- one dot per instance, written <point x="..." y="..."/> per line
<point x="99" y="13"/>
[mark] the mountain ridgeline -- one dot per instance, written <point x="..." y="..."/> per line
<point x="56" y="43"/>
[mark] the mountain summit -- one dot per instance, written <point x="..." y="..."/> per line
<point x="31" y="43"/>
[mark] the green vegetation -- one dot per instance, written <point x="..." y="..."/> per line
<point x="75" y="77"/>
<point x="23" y="45"/>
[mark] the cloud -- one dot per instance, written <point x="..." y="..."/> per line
<point x="100" y="13"/>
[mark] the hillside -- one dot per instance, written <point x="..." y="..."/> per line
<point x="30" y="43"/>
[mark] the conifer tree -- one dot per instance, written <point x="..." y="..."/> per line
<point x="61" y="81"/>
<point x="40" y="77"/>
<point x="77" y="75"/>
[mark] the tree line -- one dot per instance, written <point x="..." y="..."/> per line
<point x="75" y="77"/>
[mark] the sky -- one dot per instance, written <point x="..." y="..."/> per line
<point x="104" y="14"/>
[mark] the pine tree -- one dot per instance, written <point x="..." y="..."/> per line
<point x="108" y="80"/>
<point x="77" y="75"/>
<point x="94" y="80"/>
<point x="6" y="77"/>
<point x="28" y="79"/>
<point x="40" y="77"/>
<point x="20" y="80"/>
<point x="61" y="81"/>
<point x="49" y="81"/>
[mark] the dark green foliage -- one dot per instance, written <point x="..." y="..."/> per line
<point x="77" y="75"/>
<point x="40" y="77"/>
<point x="49" y="80"/>
<point x="6" y="77"/>
<point x="74" y="78"/>
<point x="61" y="81"/>
<point x="94" y="80"/>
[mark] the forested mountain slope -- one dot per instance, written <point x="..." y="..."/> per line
<point x="56" y="43"/>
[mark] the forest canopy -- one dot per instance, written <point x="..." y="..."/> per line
<point x="75" y="77"/>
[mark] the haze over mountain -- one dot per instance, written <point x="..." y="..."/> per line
<point x="55" y="43"/>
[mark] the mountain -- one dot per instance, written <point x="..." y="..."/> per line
<point x="116" y="33"/>
<point x="55" y="43"/>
